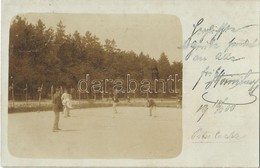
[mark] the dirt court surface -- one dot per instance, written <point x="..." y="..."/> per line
<point x="97" y="133"/>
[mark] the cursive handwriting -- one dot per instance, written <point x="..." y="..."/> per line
<point x="242" y="43"/>
<point x="217" y="136"/>
<point x="227" y="46"/>
<point x="218" y="107"/>
<point x="219" y="77"/>
<point x="225" y="101"/>
<point x="203" y="38"/>
<point x="214" y="31"/>
<point x="230" y="81"/>
<point x="227" y="56"/>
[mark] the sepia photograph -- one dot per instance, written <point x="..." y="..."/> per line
<point x="129" y="83"/>
<point x="95" y="86"/>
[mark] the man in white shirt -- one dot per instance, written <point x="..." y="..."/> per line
<point x="66" y="102"/>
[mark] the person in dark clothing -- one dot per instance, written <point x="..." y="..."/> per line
<point x="57" y="108"/>
<point x="151" y="105"/>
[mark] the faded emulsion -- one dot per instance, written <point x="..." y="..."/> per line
<point x="95" y="86"/>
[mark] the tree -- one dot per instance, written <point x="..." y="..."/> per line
<point x="164" y="66"/>
<point x="110" y="46"/>
<point x="176" y="69"/>
<point x="41" y="55"/>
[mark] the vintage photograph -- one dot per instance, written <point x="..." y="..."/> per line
<point x="95" y="86"/>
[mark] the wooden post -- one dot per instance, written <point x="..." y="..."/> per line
<point x="52" y="92"/>
<point x="79" y="96"/>
<point x="109" y="97"/>
<point x="40" y="94"/>
<point x="26" y="95"/>
<point x="13" y="93"/>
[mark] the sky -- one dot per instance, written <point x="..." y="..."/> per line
<point x="150" y="34"/>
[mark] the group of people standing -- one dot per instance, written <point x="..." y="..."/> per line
<point x="149" y="103"/>
<point x="61" y="103"/>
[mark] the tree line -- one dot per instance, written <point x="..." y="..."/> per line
<point x="41" y="56"/>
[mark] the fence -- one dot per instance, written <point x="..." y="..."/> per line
<point x="38" y="95"/>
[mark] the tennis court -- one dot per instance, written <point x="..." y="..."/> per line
<point x="97" y="133"/>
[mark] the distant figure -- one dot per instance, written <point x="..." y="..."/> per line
<point x="179" y="105"/>
<point x="115" y="101"/>
<point x="72" y="91"/>
<point x="151" y="104"/>
<point x="57" y="108"/>
<point x="66" y="102"/>
<point x="128" y="99"/>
